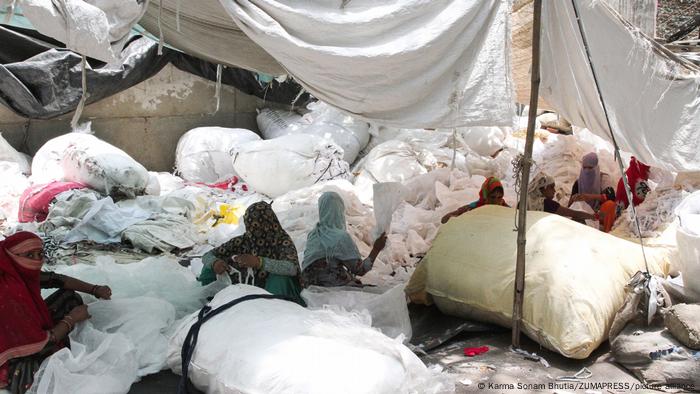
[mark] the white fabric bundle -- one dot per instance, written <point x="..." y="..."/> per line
<point x="323" y="121"/>
<point x="280" y="347"/>
<point x="82" y="157"/>
<point x="205" y="154"/>
<point x="275" y="167"/>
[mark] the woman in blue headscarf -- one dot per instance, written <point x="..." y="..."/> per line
<point x="331" y="257"/>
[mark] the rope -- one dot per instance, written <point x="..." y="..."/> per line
<point x="454" y="149"/>
<point x="160" y="28"/>
<point x="618" y="158"/>
<point x="205" y="314"/>
<point x="518" y="164"/>
<point x="177" y="15"/>
<point x="217" y="92"/>
<point x="83" y="98"/>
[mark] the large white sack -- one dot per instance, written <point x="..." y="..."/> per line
<point x="387" y="309"/>
<point x="47" y="164"/>
<point x="485" y="141"/>
<point x="204" y="154"/>
<point x="688" y="238"/>
<point x="324" y="121"/>
<point x="8" y="153"/>
<point x="279" y="347"/>
<point x="103" y="167"/>
<point x="411" y="63"/>
<point x="575" y="276"/>
<point x="274" y="167"/>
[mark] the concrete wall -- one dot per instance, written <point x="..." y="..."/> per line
<point x="147" y="120"/>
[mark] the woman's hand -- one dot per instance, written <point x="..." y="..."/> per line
<point x="380" y="242"/>
<point x="220" y="267"/>
<point x="102" y="292"/>
<point x="446" y="218"/>
<point x="248" y="261"/>
<point x="79" y="313"/>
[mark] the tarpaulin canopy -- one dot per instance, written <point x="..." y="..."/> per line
<point x="203" y="29"/>
<point x="41" y="80"/>
<point x="411" y="63"/>
<point x="652" y="96"/>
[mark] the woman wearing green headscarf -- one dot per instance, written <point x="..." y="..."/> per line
<point x="265" y="248"/>
<point x="331" y="257"/>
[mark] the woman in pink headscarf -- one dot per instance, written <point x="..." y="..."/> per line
<point x="594" y="187"/>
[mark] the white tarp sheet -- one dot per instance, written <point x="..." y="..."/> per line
<point x="652" y="97"/>
<point x="95" y="28"/>
<point x="411" y="63"/>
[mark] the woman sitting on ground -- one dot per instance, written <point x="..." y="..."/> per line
<point x="594" y="188"/>
<point x="331" y="257"/>
<point x="265" y="250"/>
<point x="540" y="197"/>
<point x="491" y="193"/>
<point x="31" y="328"/>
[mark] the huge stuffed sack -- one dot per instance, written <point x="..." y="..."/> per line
<point x="574" y="275"/>
<point x="204" y="154"/>
<point x="275" y="346"/>
<point x="323" y="121"/>
<point x="82" y="157"/>
<point x="104" y="167"/>
<point x="47" y="164"/>
<point x="275" y="167"/>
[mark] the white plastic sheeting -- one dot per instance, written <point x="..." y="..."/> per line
<point x="688" y="237"/>
<point x="277" y="166"/>
<point x="95" y="28"/>
<point x="205" y="154"/>
<point x="409" y="64"/>
<point x="650" y="94"/>
<point x="277" y="344"/>
<point x="324" y="121"/>
<point x="126" y="337"/>
<point x="387" y="309"/>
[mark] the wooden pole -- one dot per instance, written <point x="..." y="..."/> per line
<point x="524" y="180"/>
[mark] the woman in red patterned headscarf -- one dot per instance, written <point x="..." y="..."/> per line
<point x="491" y="193"/>
<point x="32" y="328"/>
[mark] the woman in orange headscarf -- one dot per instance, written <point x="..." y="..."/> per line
<point x="32" y="328"/>
<point x="491" y="193"/>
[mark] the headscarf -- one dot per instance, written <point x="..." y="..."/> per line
<point x="330" y="239"/>
<point x="636" y="174"/>
<point x="589" y="178"/>
<point x="535" y="198"/>
<point x="24" y="316"/>
<point x="263" y="237"/>
<point x="490" y="184"/>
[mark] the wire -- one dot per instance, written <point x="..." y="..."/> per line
<point x="618" y="158"/>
